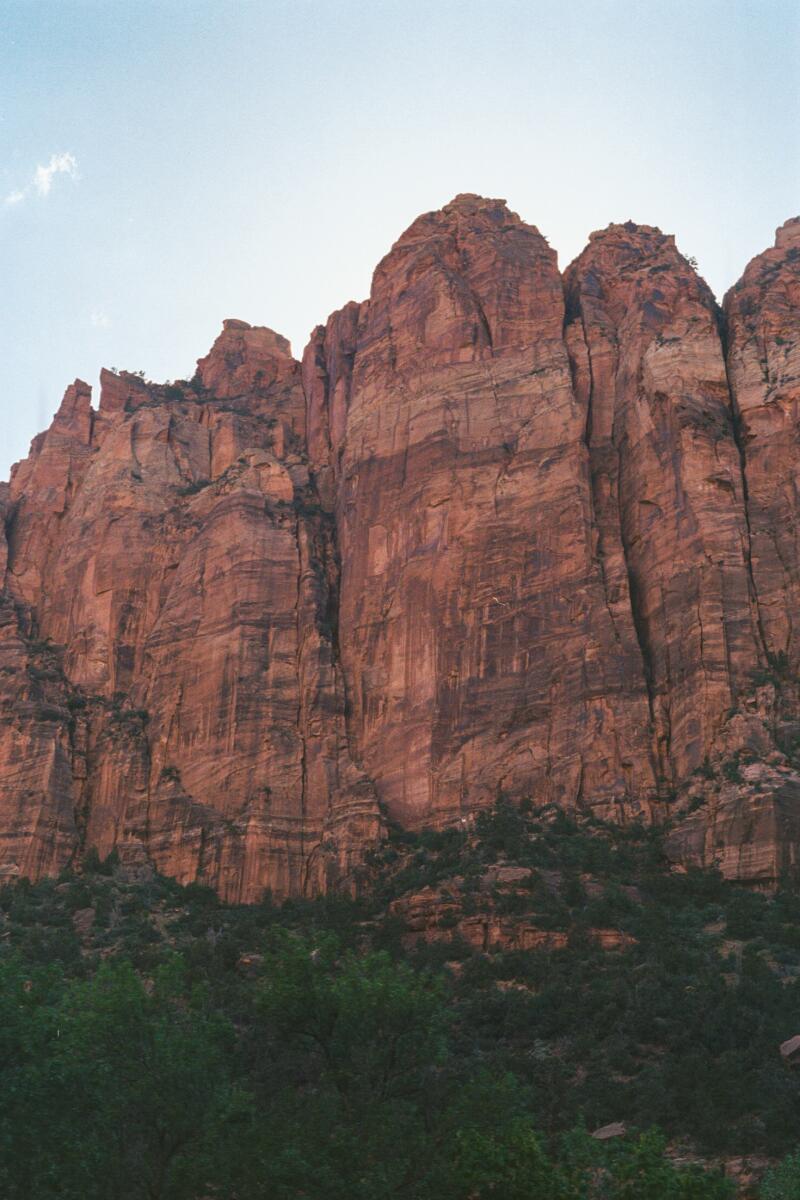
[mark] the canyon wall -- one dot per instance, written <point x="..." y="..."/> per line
<point x="172" y="687"/>
<point x="502" y="534"/>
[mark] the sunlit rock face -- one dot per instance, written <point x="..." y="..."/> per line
<point x="763" y="317"/>
<point x="667" y="486"/>
<point x="176" y="576"/>
<point x="480" y="650"/>
<point x="502" y="534"/>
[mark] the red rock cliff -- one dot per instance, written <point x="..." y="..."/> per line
<point x="172" y="686"/>
<point x="481" y="653"/>
<point x="667" y="487"/>
<point x="503" y="534"/>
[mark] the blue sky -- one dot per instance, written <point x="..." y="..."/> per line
<point x="165" y="165"/>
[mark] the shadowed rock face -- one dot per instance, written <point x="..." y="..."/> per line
<point x="502" y="534"/>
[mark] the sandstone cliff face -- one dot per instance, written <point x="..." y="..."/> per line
<point x="181" y="566"/>
<point x="751" y="826"/>
<point x="763" y="317"/>
<point x="480" y="652"/>
<point x="666" y="482"/>
<point x="501" y="534"/>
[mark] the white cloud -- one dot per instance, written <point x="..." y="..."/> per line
<point x="100" y="320"/>
<point x="43" y="176"/>
<point x="59" y="164"/>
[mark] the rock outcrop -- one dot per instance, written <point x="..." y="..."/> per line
<point x="763" y="317"/>
<point x="667" y="487"/>
<point x="480" y="651"/>
<point x="751" y="825"/>
<point x="178" y="575"/>
<point x="501" y="535"/>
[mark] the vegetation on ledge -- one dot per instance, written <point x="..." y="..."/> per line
<point x="157" y="1044"/>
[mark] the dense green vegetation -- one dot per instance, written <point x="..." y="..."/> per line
<point x="157" y="1044"/>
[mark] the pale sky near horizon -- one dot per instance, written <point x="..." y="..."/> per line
<point x="165" y="165"/>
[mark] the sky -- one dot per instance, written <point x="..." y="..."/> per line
<point x="166" y="165"/>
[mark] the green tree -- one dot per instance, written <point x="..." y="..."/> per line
<point x="144" y="1085"/>
<point x="374" y="1029"/>
<point x="783" y="1181"/>
<point x="354" y="1068"/>
<point x="639" y="1170"/>
<point x="510" y="1162"/>
<point x="31" y="1097"/>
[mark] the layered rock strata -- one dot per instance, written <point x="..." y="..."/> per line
<point x="169" y="558"/>
<point x="481" y="653"/>
<point x="666" y="482"/>
<point x="762" y="315"/>
<point x="503" y="535"/>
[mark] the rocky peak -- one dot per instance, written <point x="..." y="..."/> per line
<point x="121" y="391"/>
<point x="246" y="359"/>
<point x="465" y="283"/>
<point x="56" y="455"/>
<point x="638" y="265"/>
<point x="622" y="233"/>
<point x="770" y="273"/>
<point x="471" y="202"/>
<point x="463" y="212"/>
<point x="788" y="235"/>
<point x="75" y="406"/>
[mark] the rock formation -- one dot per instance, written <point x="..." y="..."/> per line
<point x="666" y="482"/>
<point x="174" y="572"/>
<point x="478" y="644"/>
<point x="763" y="316"/>
<point x="501" y="535"/>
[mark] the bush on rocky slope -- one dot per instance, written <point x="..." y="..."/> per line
<point x="158" y="1043"/>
